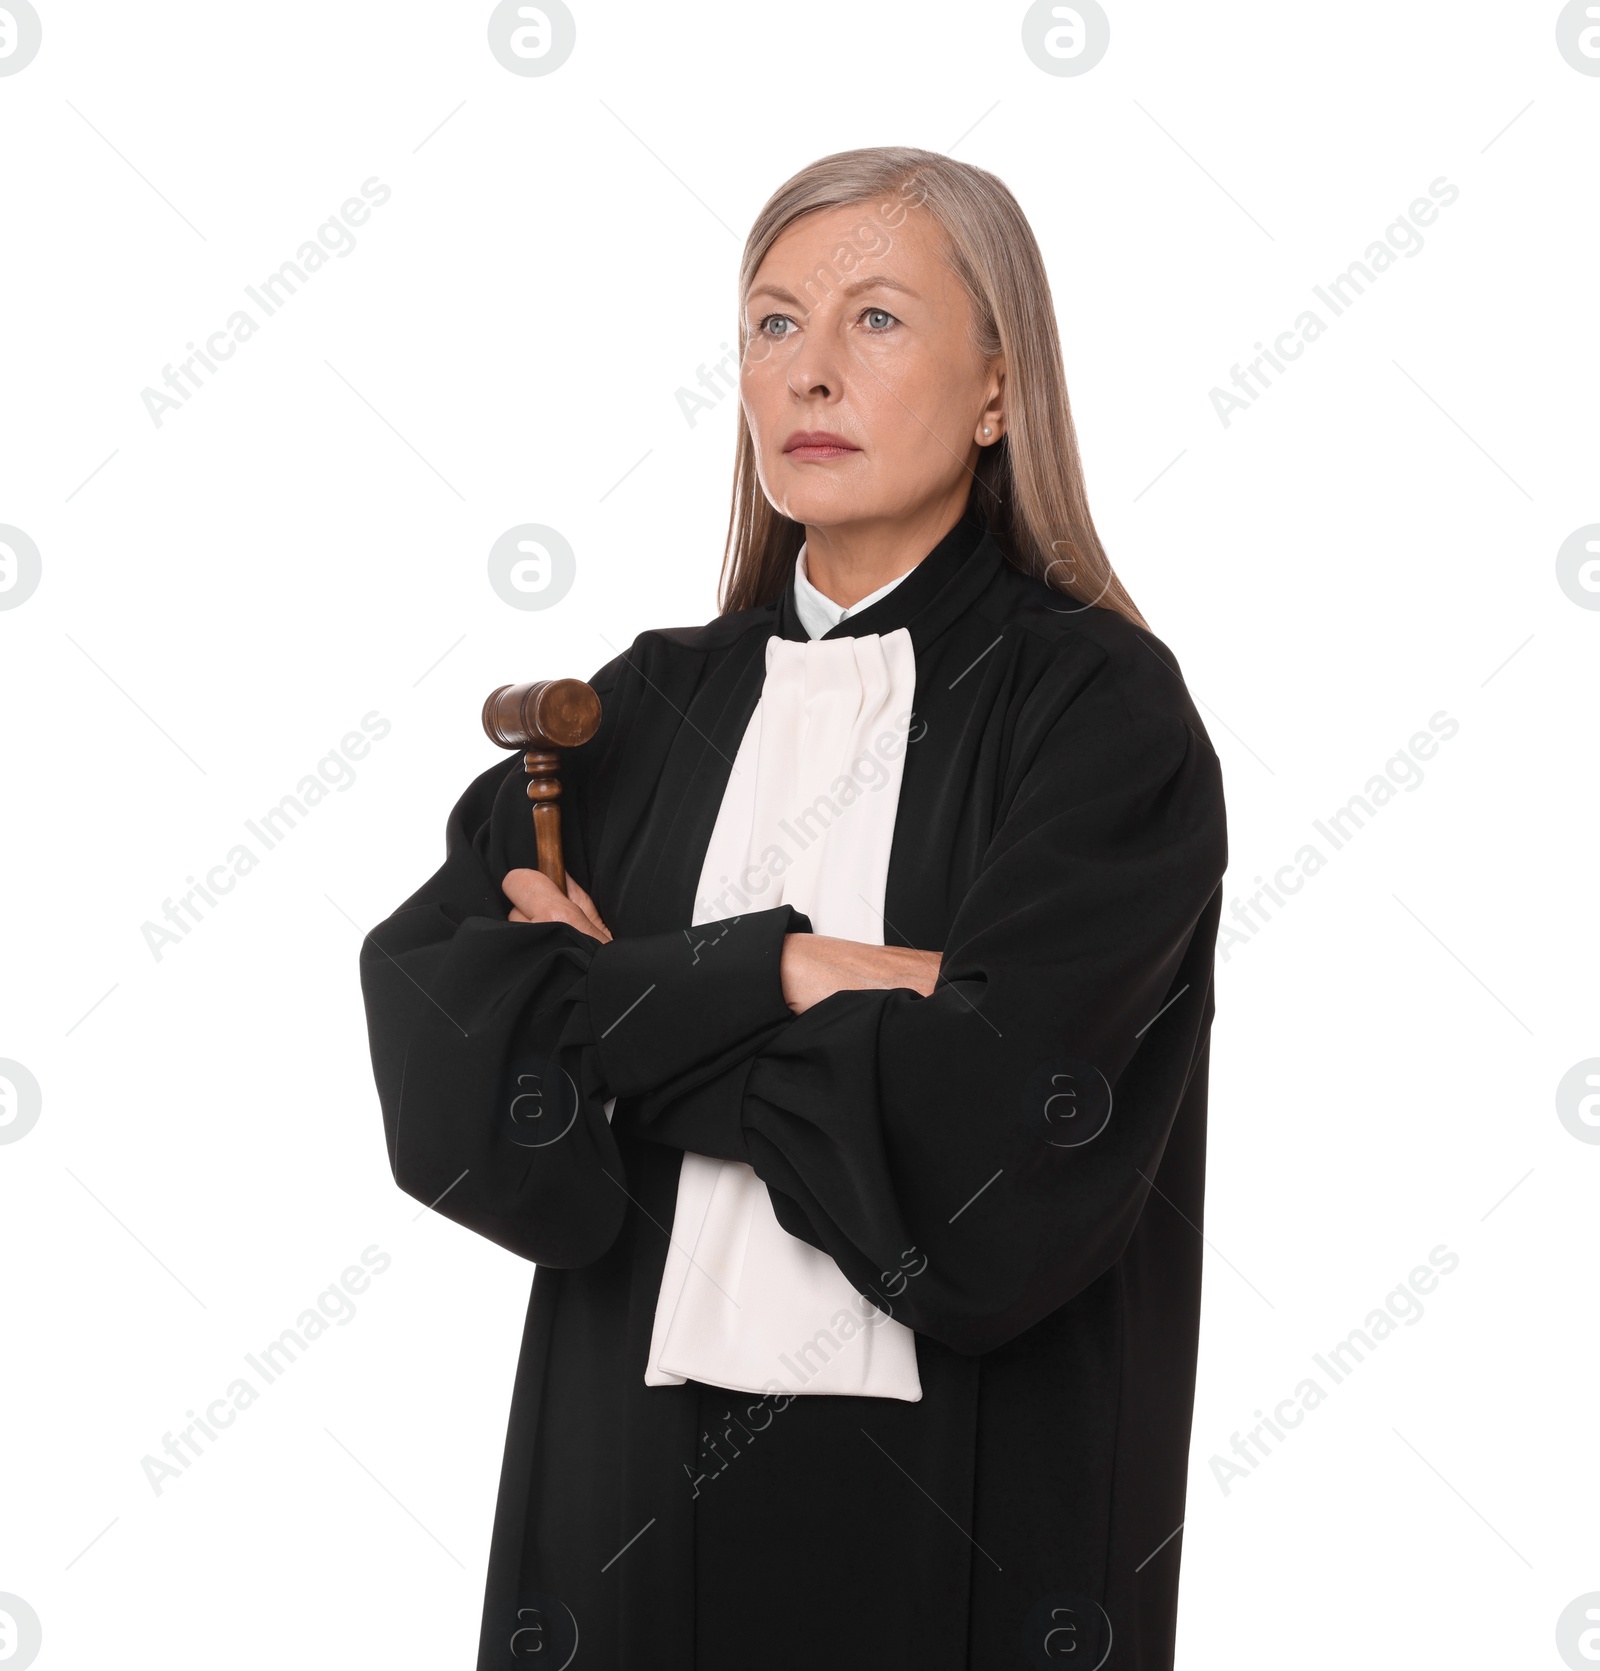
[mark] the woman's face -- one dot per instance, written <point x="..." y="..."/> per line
<point x="862" y="334"/>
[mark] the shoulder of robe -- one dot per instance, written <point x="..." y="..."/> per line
<point x="504" y="781"/>
<point x="658" y="644"/>
<point x="661" y="664"/>
<point x="503" y="785"/>
<point x="633" y="672"/>
<point x="716" y="634"/>
<point x="1094" y="649"/>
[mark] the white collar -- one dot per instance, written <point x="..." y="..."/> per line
<point x="817" y="611"/>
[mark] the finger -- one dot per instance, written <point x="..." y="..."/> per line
<point x="533" y="893"/>
<point x="570" y="915"/>
<point x="594" y="926"/>
<point x="536" y="899"/>
<point x="589" y="907"/>
<point x="582" y="900"/>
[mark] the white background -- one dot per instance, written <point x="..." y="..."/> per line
<point x="225" y="595"/>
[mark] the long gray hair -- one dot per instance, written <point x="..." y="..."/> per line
<point x="1029" y="484"/>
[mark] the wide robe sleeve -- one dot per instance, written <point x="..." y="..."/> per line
<point x="975" y="1158"/>
<point x="485" y="1033"/>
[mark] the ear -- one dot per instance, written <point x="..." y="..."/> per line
<point x="993" y="416"/>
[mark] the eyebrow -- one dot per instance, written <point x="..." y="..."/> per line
<point x="871" y="281"/>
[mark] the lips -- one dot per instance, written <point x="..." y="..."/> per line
<point x="818" y="444"/>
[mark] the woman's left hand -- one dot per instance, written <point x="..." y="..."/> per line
<point x="536" y="899"/>
<point x="815" y="966"/>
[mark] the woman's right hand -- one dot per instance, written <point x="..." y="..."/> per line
<point x="536" y="899"/>
<point x="815" y="966"/>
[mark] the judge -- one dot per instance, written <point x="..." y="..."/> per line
<point x="851" y="1099"/>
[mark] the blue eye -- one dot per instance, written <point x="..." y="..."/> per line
<point x="770" y="325"/>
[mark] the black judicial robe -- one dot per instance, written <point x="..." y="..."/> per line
<point x="1012" y="1166"/>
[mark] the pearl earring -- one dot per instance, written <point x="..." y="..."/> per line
<point x="986" y="429"/>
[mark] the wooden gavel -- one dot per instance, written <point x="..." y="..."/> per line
<point x="544" y="718"/>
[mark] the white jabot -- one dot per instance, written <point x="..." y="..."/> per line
<point x="807" y="819"/>
<point x="817" y="611"/>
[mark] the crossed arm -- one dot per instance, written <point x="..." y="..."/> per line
<point x="814" y="966"/>
<point x="870" y="1118"/>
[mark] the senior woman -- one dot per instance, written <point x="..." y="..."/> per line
<point x="851" y="1099"/>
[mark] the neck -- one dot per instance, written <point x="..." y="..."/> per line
<point x="848" y="561"/>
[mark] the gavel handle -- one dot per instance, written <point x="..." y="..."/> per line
<point x="550" y="715"/>
<point x="544" y="790"/>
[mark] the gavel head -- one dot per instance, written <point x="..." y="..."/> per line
<point x="548" y="714"/>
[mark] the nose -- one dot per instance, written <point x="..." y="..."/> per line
<point x="815" y="372"/>
<point x="805" y="383"/>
